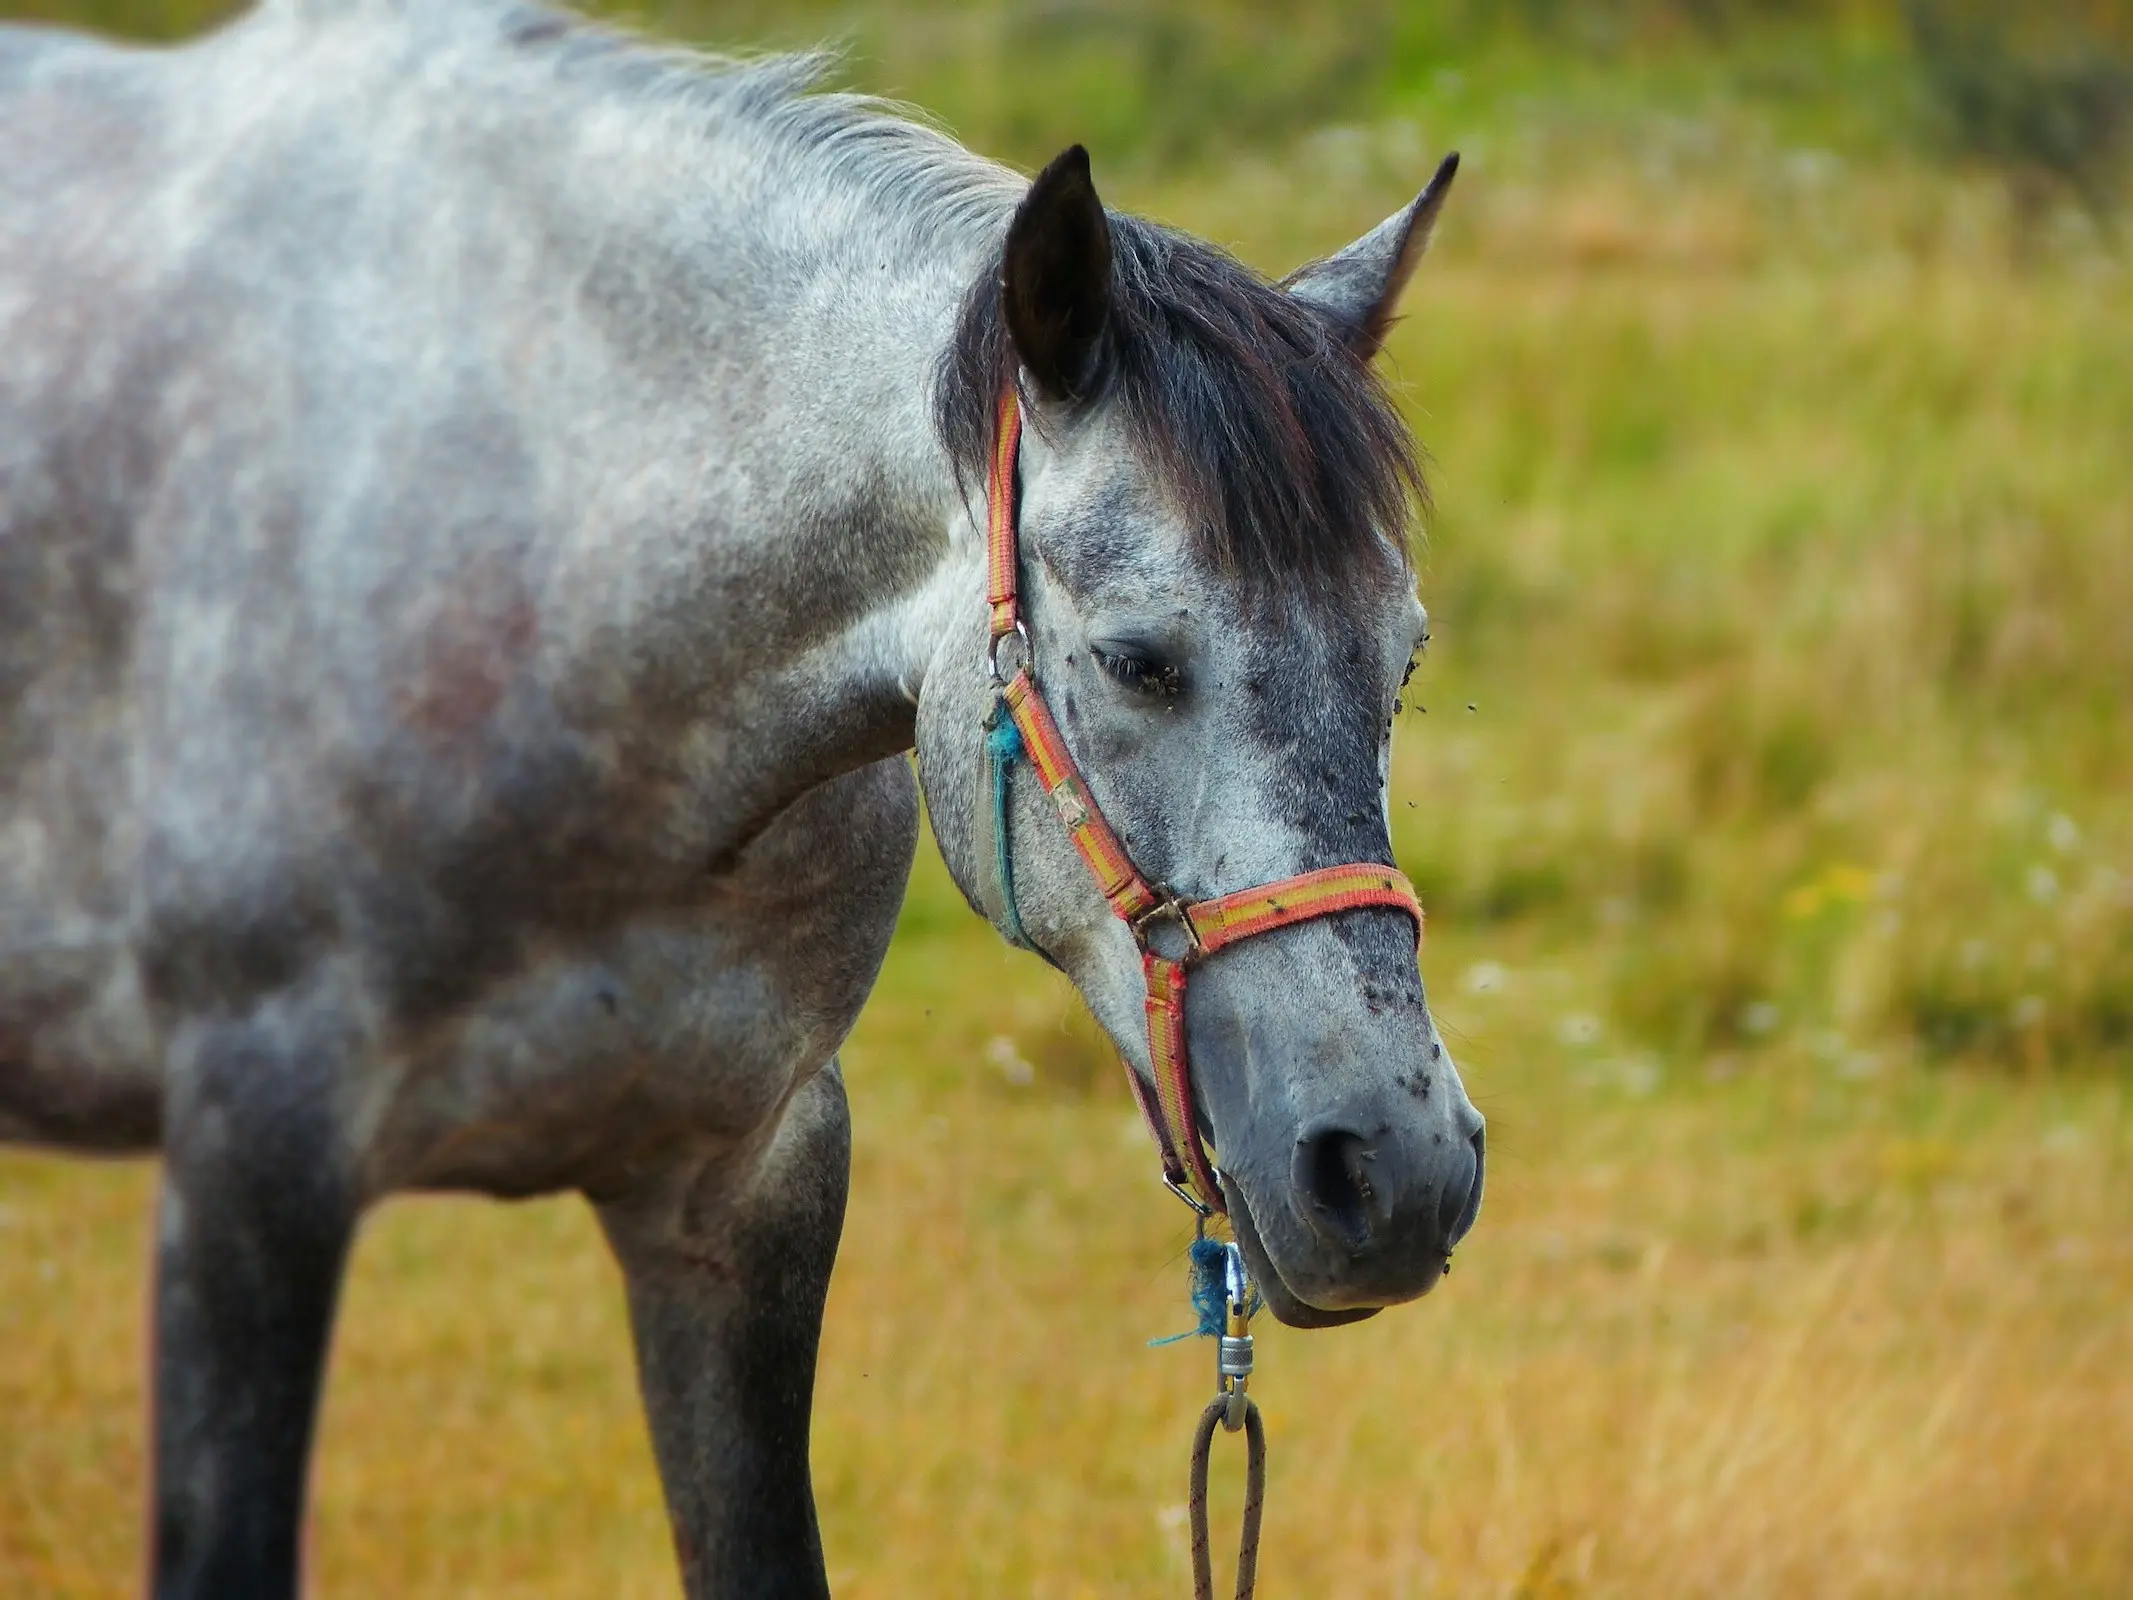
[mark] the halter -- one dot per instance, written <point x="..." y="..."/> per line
<point x="1020" y="717"/>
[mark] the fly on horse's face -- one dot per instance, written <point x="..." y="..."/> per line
<point x="1220" y="615"/>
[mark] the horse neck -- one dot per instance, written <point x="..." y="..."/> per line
<point x="786" y="310"/>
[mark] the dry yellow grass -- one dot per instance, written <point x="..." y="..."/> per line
<point x="1787" y="1333"/>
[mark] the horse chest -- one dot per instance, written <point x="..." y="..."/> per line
<point x="596" y="1054"/>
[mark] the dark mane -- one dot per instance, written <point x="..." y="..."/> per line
<point x="1284" y="453"/>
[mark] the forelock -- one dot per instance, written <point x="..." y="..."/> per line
<point x="1282" y="452"/>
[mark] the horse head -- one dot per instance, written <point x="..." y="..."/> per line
<point x="1213" y="589"/>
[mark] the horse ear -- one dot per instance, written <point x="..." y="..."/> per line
<point x="1056" y="278"/>
<point x="1358" y="289"/>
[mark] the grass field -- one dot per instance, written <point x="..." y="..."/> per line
<point x="1793" y="1331"/>
<point x="1769" y="786"/>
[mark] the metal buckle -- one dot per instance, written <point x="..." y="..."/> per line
<point x="992" y="650"/>
<point x="1178" y="911"/>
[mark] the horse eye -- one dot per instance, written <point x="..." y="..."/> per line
<point x="1143" y="673"/>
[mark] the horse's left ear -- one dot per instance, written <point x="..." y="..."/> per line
<point x="1358" y="289"/>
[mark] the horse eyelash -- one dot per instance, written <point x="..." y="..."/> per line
<point x="1136" y="672"/>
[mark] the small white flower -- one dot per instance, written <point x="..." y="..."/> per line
<point x="1640" y="1076"/>
<point x="1001" y="1052"/>
<point x="1579" y="1028"/>
<point x="1858" y="1065"/>
<point x="2042" y="884"/>
<point x="1486" y="977"/>
<point x="2063" y="833"/>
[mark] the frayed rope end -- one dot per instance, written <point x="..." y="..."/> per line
<point x="1210" y="1293"/>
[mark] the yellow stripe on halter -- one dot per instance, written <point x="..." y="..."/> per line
<point x="1122" y="885"/>
<point x="1167" y="1061"/>
<point x="1001" y="514"/>
<point x="1312" y="894"/>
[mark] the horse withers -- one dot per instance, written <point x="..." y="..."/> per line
<point x="484" y="505"/>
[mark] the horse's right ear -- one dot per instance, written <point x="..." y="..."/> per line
<point x="1055" y="278"/>
<point x="1358" y="289"/>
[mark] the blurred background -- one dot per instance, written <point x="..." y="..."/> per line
<point x="1770" y="787"/>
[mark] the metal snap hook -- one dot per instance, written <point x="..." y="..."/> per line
<point x="1201" y="1210"/>
<point x="1233" y="1354"/>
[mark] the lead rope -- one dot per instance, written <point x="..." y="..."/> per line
<point x="1230" y="1296"/>
<point x="1203" y="1576"/>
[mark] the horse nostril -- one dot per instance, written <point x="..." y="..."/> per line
<point x="1333" y="1171"/>
<point x="1461" y="1202"/>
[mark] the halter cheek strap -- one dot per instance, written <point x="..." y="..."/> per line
<point x="1202" y="927"/>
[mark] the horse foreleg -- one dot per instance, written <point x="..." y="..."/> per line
<point x="252" y="1235"/>
<point x="727" y="1272"/>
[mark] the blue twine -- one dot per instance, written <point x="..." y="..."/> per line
<point x="1210" y="1291"/>
<point x="1003" y="748"/>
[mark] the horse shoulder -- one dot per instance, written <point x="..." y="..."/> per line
<point x="599" y="1056"/>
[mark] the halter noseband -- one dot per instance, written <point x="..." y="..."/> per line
<point x="1206" y="926"/>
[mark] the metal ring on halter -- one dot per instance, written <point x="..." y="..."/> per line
<point x="1174" y="909"/>
<point x="992" y="650"/>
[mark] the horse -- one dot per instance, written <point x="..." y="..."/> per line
<point x="487" y="504"/>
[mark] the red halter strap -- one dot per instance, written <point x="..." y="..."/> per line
<point x="1205" y="926"/>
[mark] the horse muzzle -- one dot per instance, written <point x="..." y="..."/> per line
<point x="1364" y="1214"/>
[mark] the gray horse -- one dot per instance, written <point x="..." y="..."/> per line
<point x="484" y="506"/>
